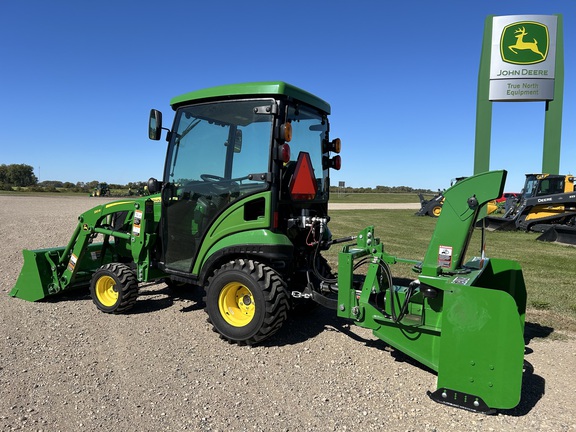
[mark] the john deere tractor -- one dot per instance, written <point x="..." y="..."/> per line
<point x="242" y="211"/>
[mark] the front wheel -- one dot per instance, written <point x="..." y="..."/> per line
<point x="114" y="288"/>
<point x="246" y="301"/>
<point x="435" y="211"/>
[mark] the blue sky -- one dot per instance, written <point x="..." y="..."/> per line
<point x="77" y="81"/>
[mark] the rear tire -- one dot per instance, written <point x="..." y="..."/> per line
<point x="114" y="288"/>
<point x="246" y="301"/>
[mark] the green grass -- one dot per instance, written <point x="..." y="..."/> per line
<point x="549" y="270"/>
<point x="336" y="197"/>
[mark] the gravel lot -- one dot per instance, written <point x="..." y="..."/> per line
<point x="64" y="366"/>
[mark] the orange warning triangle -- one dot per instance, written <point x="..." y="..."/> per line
<point x="303" y="183"/>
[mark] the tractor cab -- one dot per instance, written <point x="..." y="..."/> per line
<point x="241" y="161"/>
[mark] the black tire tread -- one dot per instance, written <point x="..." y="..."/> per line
<point x="275" y="295"/>
<point x="128" y="286"/>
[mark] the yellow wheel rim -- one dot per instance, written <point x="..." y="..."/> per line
<point x="236" y="304"/>
<point x="436" y="211"/>
<point x="105" y="291"/>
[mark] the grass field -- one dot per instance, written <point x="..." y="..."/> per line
<point x="549" y="270"/>
<point x="376" y="197"/>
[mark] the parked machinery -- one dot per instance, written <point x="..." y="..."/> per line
<point x="242" y="211"/>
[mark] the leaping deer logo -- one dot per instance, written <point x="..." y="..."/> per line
<point x="521" y="45"/>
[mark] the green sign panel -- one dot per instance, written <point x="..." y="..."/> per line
<point x="522" y="60"/>
<point x="524" y="43"/>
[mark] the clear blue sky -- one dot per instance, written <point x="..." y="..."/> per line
<point x="77" y="81"/>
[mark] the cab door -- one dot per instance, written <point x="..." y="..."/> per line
<point x="214" y="152"/>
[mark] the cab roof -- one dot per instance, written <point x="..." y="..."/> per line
<point x="253" y="89"/>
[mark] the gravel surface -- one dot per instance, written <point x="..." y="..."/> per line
<point x="64" y="366"/>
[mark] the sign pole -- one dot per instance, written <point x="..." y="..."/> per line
<point x="484" y="105"/>
<point x="553" y="116"/>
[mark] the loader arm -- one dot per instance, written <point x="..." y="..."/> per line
<point x="127" y="229"/>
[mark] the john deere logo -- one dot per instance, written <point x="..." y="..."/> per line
<point x="524" y="43"/>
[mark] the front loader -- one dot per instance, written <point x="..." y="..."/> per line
<point x="242" y="211"/>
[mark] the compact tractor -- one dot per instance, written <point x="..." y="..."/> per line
<point x="242" y="211"/>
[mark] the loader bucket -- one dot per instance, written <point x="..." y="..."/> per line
<point x="562" y="234"/>
<point x="36" y="280"/>
<point x="493" y="223"/>
<point x="39" y="275"/>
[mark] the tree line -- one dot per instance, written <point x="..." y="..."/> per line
<point x="22" y="175"/>
<point x="16" y="176"/>
<point x="379" y="189"/>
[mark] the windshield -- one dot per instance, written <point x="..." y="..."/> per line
<point x="529" y="186"/>
<point x="546" y="186"/>
<point x="309" y="130"/>
<point x="220" y="141"/>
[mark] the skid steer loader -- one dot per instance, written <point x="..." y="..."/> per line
<point x="242" y="211"/>
<point x="547" y="205"/>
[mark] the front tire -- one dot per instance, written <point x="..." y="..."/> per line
<point x="246" y="301"/>
<point x="114" y="288"/>
<point x="435" y="211"/>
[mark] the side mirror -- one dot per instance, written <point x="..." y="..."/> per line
<point x="155" y="125"/>
<point x="154" y="185"/>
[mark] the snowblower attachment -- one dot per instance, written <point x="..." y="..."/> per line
<point x="464" y="318"/>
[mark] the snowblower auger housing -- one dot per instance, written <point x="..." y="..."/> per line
<point x="464" y="320"/>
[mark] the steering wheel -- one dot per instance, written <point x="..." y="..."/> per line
<point x="211" y="177"/>
<point x="215" y="178"/>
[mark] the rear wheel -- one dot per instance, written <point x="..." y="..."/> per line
<point x="246" y="301"/>
<point x="114" y="288"/>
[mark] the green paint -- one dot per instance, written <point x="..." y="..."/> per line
<point x="484" y="106"/>
<point x="553" y="118"/>
<point x="464" y="320"/>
